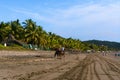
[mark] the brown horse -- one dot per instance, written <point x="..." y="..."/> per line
<point x="59" y="54"/>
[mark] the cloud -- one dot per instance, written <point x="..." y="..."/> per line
<point x="78" y="15"/>
<point x="90" y="14"/>
<point x="90" y="20"/>
<point x="95" y="20"/>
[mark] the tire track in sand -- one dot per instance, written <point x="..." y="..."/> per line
<point x="79" y="72"/>
<point x="107" y="66"/>
<point x="87" y="69"/>
<point x="40" y="73"/>
<point x="112" y="69"/>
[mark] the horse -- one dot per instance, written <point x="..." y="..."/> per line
<point x="59" y="54"/>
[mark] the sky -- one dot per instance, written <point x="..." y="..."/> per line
<point x="78" y="19"/>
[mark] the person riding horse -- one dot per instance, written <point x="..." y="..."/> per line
<point x="59" y="52"/>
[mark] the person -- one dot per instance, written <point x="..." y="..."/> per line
<point x="62" y="49"/>
<point x="5" y="44"/>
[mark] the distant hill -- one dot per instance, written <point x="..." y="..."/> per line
<point x="109" y="44"/>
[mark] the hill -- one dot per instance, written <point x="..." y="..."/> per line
<point x="109" y="44"/>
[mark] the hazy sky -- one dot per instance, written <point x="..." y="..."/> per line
<point x="80" y="19"/>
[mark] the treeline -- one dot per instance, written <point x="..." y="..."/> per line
<point x="109" y="44"/>
<point x="29" y="32"/>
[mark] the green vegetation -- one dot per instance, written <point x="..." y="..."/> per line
<point x="108" y="44"/>
<point x="1" y="46"/>
<point x="13" y="47"/>
<point x="28" y="32"/>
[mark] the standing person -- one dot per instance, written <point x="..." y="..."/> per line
<point x="5" y="44"/>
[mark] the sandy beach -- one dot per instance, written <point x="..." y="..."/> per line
<point x="41" y="65"/>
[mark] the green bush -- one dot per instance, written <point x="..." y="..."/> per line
<point x="12" y="47"/>
<point x="1" y="46"/>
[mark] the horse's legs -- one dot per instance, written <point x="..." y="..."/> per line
<point x="55" y="54"/>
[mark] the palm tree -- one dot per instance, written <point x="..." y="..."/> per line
<point x="4" y="30"/>
<point x="54" y="40"/>
<point x="31" y="32"/>
<point x="16" y="29"/>
<point x="42" y="39"/>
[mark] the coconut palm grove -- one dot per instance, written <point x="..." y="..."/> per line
<point x="30" y="35"/>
